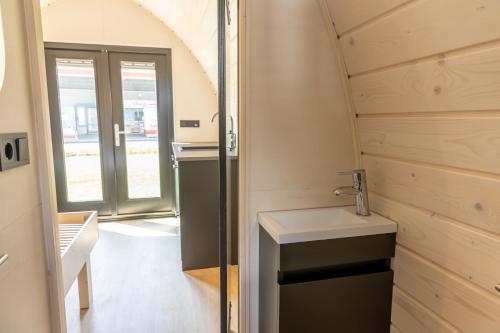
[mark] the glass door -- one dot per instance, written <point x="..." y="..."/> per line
<point x="83" y="155"/>
<point x="111" y="117"/>
<point x="141" y="132"/>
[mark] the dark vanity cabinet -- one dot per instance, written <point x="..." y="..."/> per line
<point x="198" y="206"/>
<point x="335" y="285"/>
<point x="199" y="213"/>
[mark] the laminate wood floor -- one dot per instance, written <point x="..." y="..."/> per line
<point x="139" y="285"/>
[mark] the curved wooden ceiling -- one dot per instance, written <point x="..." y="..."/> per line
<point x="193" y="21"/>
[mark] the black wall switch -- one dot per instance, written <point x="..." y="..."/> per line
<point x="190" y="123"/>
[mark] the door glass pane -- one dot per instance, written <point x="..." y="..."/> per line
<point x="80" y="129"/>
<point x="140" y="114"/>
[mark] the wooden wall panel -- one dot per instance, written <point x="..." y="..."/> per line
<point x="469" y="253"/>
<point x="467" y="81"/>
<point x="350" y="14"/>
<point x="469" y="309"/>
<point x="24" y="292"/>
<point x="421" y="29"/>
<point x="425" y="85"/>
<point x="412" y="317"/>
<point x="463" y="142"/>
<point x="295" y="108"/>
<point x="394" y="329"/>
<point x="464" y="197"/>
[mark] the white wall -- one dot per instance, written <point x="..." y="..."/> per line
<point x="298" y="133"/>
<point x="123" y="22"/>
<point x="24" y="303"/>
<point x="195" y="22"/>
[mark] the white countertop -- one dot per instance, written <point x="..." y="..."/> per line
<point x="190" y="154"/>
<point x="306" y="225"/>
<point x="181" y="154"/>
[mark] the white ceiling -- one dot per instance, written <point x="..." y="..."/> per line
<point x="194" y="22"/>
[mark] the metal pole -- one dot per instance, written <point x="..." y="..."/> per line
<point x="221" y="19"/>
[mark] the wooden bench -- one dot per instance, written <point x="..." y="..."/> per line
<point x="77" y="235"/>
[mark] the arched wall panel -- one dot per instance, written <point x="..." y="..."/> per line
<point x="124" y="22"/>
<point x="426" y="90"/>
<point x="193" y="21"/>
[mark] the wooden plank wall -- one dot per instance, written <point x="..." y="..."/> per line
<point x="425" y="83"/>
<point x="24" y="292"/>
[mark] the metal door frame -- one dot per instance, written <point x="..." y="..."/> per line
<point x="100" y="54"/>
<point x="125" y="205"/>
<point x="105" y="206"/>
<point x="223" y="175"/>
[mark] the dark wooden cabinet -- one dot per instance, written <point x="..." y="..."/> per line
<point x="358" y="303"/>
<point x="199" y="213"/>
<point x="198" y="207"/>
<point x="339" y="285"/>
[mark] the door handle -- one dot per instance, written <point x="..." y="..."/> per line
<point x="3" y="258"/>
<point x="345" y="173"/>
<point x="117" y="134"/>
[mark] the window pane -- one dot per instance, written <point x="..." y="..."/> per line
<point x="140" y="114"/>
<point x="80" y="129"/>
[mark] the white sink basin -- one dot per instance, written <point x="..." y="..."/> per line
<point x="307" y="225"/>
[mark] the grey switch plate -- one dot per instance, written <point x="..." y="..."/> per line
<point x="190" y="123"/>
<point x="22" y="149"/>
<point x="14" y="150"/>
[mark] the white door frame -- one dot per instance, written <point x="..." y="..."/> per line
<point x="45" y="163"/>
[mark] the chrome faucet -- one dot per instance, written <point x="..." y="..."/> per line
<point x="215" y="115"/>
<point x="359" y="189"/>
<point x="231" y="134"/>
